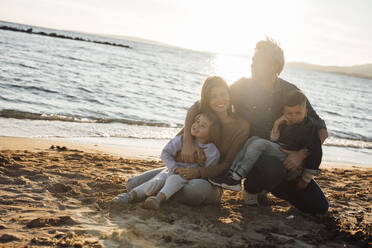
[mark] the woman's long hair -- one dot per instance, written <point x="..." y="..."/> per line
<point x="210" y="83"/>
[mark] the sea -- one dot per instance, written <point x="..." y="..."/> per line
<point x="75" y="90"/>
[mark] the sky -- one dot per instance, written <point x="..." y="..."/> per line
<point x="325" y="32"/>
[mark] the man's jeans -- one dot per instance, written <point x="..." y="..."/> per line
<point x="270" y="174"/>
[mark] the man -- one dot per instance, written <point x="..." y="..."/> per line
<point x="258" y="100"/>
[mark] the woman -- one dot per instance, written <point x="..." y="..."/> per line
<point x="215" y="96"/>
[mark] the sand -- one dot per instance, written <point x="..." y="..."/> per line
<point x="61" y="197"/>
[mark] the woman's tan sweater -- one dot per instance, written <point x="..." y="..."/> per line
<point x="233" y="137"/>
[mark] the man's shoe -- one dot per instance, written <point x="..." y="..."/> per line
<point x="226" y="182"/>
<point x="250" y="200"/>
<point x="265" y="199"/>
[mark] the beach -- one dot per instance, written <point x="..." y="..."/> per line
<point x="56" y="193"/>
<point x="78" y="119"/>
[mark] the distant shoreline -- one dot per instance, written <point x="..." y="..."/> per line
<point x="360" y="71"/>
<point x="55" y="35"/>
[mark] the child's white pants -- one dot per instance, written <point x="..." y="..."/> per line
<point x="172" y="185"/>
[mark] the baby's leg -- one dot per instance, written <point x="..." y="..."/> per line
<point x="172" y="185"/>
<point x="156" y="183"/>
<point x="253" y="151"/>
<point x="142" y="178"/>
<point x="150" y="187"/>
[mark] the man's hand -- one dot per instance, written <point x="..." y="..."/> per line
<point x="301" y="184"/>
<point x="294" y="159"/>
<point x="188" y="172"/>
<point x="323" y="134"/>
<point x="191" y="153"/>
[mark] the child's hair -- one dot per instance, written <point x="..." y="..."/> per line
<point x="293" y="98"/>
<point x="215" y="127"/>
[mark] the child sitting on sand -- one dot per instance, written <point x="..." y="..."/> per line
<point x="292" y="131"/>
<point x="205" y="130"/>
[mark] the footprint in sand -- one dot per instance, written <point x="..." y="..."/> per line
<point x="6" y="238"/>
<point x="58" y="221"/>
<point x="59" y="188"/>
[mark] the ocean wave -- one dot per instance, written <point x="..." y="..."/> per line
<point x="27" y="66"/>
<point x="348" y="143"/>
<point x="22" y="115"/>
<point x="332" y="113"/>
<point x="349" y="135"/>
<point x="362" y="118"/>
<point x="71" y="58"/>
<point x="169" y="133"/>
<point x="19" y="101"/>
<point x="85" y="89"/>
<point x="32" y="88"/>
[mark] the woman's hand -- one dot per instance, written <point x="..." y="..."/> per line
<point x="294" y="159"/>
<point x="188" y="172"/>
<point x="192" y="154"/>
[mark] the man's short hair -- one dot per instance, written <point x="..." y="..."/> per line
<point x="294" y="98"/>
<point x="272" y="50"/>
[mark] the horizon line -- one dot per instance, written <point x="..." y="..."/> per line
<point x="161" y="43"/>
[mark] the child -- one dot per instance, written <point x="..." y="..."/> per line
<point x="205" y="130"/>
<point x="292" y="131"/>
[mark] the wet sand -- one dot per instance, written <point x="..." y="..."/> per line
<point x="61" y="197"/>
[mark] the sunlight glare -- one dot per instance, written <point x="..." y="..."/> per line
<point x="234" y="27"/>
<point x="230" y="67"/>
